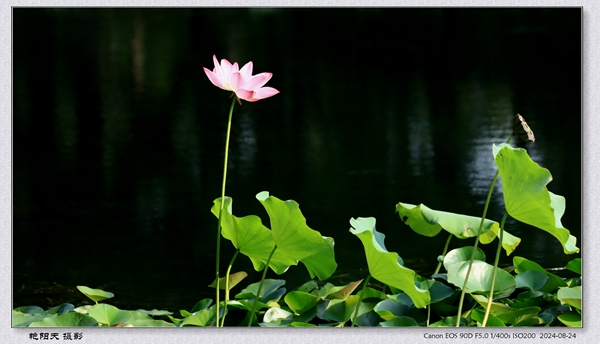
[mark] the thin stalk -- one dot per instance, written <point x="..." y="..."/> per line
<point x="439" y="266"/>
<point x="360" y="299"/>
<point x="437" y="269"/>
<point x="485" y="209"/>
<point x="491" y="297"/>
<point x="223" y="201"/>
<point x="260" y="286"/>
<point x="227" y="285"/>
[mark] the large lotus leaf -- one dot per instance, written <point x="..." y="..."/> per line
<point x="300" y="301"/>
<point x="205" y="317"/>
<point x="251" y="237"/>
<point x="522" y="264"/>
<point x="70" y="319"/>
<point x="340" y="310"/>
<point x="494" y="306"/>
<point x="140" y="318"/>
<point x="515" y="316"/>
<point x="479" y="314"/>
<point x="526" y="197"/>
<point x="108" y="315"/>
<point x="461" y="255"/>
<point x="480" y="278"/>
<point x="570" y="296"/>
<point x="29" y="310"/>
<point x="532" y="280"/>
<point x="570" y="319"/>
<point x="295" y="239"/>
<point x="270" y="290"/>
<point x="438" y="291"/>
<point x="429" y="222"/>
<point x="95" y="294"/>
<point x="386" y="266"/>
<point x="60" y="309"/>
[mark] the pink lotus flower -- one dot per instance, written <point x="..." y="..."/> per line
<point x="241" y="81"/>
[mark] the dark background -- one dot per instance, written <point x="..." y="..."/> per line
<point x="118" y="135"/>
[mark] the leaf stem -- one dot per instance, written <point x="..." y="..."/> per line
<point x="227" y="285"/>
<point x="485" y="209"/>
<point x="260" y="286"/>
<point x="223" y="201"/>
<point x="360" y="299"/>
<point x="491" y="297"/>
<point x="439" y="266"/>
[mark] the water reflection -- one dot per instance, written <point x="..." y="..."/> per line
<point x="485" y="114"/>
<point x="420" y="134"/>
<point x="245" y="160"/>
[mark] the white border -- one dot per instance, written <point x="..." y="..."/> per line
<point x="590" y="204"/>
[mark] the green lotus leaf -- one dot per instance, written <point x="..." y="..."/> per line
<point x="449" y="322"/>
<point x="251" y="237"/>
<point x="515" y="316"/>
<point x="398" y="321"/>
<point x="492" y="321"/>
<point x="570" y="296"/>
<point x="149" y="323"/>
<point x="295" y="239"/>
<point x="570" y="319"/>
<point x="494" y="307"/>
<point x="429" y="222"/>
<point x="29" y="310"/>
<point x="340" y="310"/>
<point x="19" y="320"/>
<point x="387" y="266"/>
<point x="526" y="197"/>
<point x="438" y="291"/>
<point x="532" y="280"/>
<point x="69" y="319"/>
<point x="154" y="312"/>
<point x="108" y="315"/>
<point x="95" y="294"/>
<point x="203" y="318"/>
<point x="574" y="265"/>
<point x="277" y="317"/>
<point x="522" y="264"/>
<point x="302" y="324"/>
<point x="458" y="256"/>
<point x="271" y="290"/>
<point x="480" y="278"/>
<point x="234" y="279"/>
<point x="60" y="309"/>
<point x="343" y="291"/>
<point x="300" y="301"/>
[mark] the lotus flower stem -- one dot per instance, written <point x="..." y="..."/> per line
<point x="260" y="286"/>
<point x="491" y="297"/>
<point x="485" y="209"/>
<point x="223" y="201"/>
<point x="362" y="293"/>
<point x="227" y="285"/>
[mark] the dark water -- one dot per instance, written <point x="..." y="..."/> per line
<point x="118" y="135"/>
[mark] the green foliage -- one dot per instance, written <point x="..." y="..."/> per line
<point x="295" y="239"/>
<point x="526" y="197"/>
<point x="385" y="266"/>
<point x="429" y="222"/>
<point x="524" y="295"/>
<point x="95" y="294"/>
